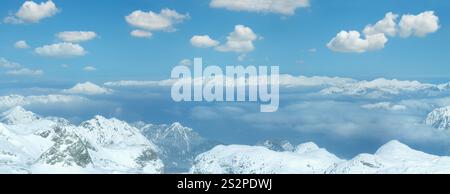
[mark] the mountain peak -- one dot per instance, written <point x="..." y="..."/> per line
<point x="178" y="127"/>
<point x="439" y="118"/>
<point x="306" y="147"/>
<point x="17" y="115"/>
<point x="393" y="148"/>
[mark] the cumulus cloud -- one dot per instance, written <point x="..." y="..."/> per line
<point x="31" y="12"/>
<point x="353" y="42"/>
<point x="76" y="36"/>
<point x="89" y="68"/>
<point x="375" y="35"/>
<point x="151" y="21"/>
<point x="21" y="44"/>
<point x="284" y="7"/>
<point x="87" y="88"/>
<point x="418" y="25"/>
<point x="64" y="49"/>
<point x="240" y="40"/>
<point x="25" y="72"/>
<point x="387" y="26"/>
<point x="4" y="63"/>
<point x="203" y="41"/>
<point x="141" y="34"/>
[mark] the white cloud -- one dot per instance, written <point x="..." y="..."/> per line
<point x="241" y="57"/>
<point x="64" y="49"/>
<point x="284" y="7"/>
<point x="203" y="41"/>
<point x="185" y="62"/>
<point x="89" y="68"/>
<point x="65" y="66"/>
<point x="141" y="34"/>
<point x="388" y="26"/>
<point x="240" y="40"/>
<point x="21" y="44"/>
<point x="25" y="72"/>
<point x="385" y="106"/>
<point x="419" y="25"/>
<point x="137" y="83"/>
<point x="31" y="12"/>
<point x="76" y="36"/>
<point x="352" y="42"/>
<point x="151" y="21"/>
<point x="375" y="35"/>
<point x="17" y="69"/>
<point x="87" y="88"/>
<point x="8" y="64"/>
<point x="18" y="100"/>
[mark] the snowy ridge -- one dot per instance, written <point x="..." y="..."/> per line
<point x="17" y="115"/>
<point x="178" y="145"/>
<point x="393" y="157"/>
<point x="240" y="159"/>
<point x="33" y="144"/>
<point x="439" y="118"/>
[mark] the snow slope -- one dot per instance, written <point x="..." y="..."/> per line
<point x="393" y="157"/>
<point x="32" y="144"/>
<point x="239" y="159"/>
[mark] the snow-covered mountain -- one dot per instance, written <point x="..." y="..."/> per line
<point x="439" y="118"/>
<point x="178" y="145"/>
<point x="33" y="144"/>
<point x="277" y="145"/>
<point x="239" y="159"/>
<point x="393" y="157"/>
<point x="30" y="143"/>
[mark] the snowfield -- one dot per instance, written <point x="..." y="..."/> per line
<point x="33" y="144"/>
<point x="393" y="157"/>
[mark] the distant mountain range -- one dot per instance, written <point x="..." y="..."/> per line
<point x="30" y="143"/>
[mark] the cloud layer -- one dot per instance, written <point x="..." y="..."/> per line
<point x="15" y="69"/>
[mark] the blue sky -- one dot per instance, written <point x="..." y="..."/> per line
<point x="286" y="40"/>
<point x="296" y="42"/>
